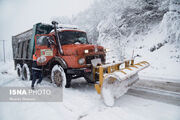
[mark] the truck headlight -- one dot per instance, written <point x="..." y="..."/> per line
<point x="81" y="61"/>
<point x="107" y="50"/>
<point x="41" y="59"/>
<point x="86" y="51"/>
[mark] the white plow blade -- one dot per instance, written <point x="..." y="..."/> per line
<point x="117" y="83"/>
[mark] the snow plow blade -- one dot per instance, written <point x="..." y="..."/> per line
<point x="114" y="81"/>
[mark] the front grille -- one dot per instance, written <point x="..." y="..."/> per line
<point x="89" y="58"/>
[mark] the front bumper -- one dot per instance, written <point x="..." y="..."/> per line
<point x="80" y="71"/>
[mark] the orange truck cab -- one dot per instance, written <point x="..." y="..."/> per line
<point x="70" y="49"/>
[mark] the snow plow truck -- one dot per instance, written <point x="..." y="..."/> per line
<point x="65" y="54"/>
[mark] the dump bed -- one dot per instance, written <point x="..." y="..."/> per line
<point x="21" y="45"/>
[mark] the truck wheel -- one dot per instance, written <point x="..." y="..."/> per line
<point x="19" y="70"/>
<point x="58" y="76"/>
<point x="26" y="74"/>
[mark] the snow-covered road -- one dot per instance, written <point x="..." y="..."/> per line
<point x="82" y="102"/>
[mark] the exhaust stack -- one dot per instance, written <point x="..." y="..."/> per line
<point x="56" y="34"/>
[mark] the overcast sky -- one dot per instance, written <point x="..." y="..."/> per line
<point x="17" y="16"/>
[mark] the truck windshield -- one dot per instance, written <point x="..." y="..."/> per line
<point x="72" y="37"/>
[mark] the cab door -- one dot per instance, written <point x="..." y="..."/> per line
<point x="45" y="48"/>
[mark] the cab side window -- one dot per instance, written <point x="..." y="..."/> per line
<point x="42" y="40"/>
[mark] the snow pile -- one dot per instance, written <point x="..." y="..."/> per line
<point x="114" y="86"/>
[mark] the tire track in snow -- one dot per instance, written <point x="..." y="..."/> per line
<point x="167" y="92"/>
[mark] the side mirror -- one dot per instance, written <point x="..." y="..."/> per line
<point x="49" y="42"/>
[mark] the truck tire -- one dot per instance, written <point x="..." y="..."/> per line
<point x="26" y="74"/>
<point x="19" y="70"/>
<point x="58" y="76"/>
